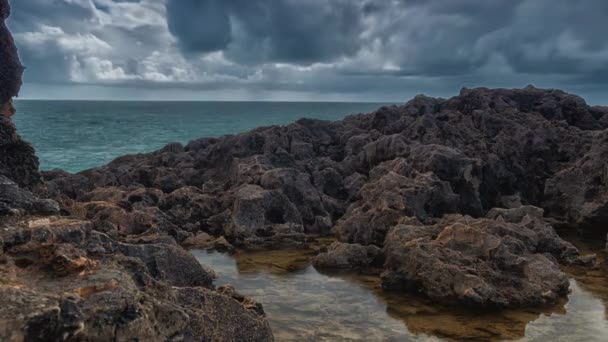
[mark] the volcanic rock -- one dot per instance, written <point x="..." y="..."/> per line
<point x="15" y="200"/>
<point x="396" y="179"/>
<point x="348" y="256"/>
<point x="578" y="194"/>
<point x="503" y="262"/>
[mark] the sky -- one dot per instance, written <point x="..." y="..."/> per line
<point x="307" y="50"/>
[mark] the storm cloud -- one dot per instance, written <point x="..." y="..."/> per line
<point x="314" y="49"/>
<point x="279" y="31"/>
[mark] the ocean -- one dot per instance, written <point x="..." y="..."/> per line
<point x="79" y="135"/>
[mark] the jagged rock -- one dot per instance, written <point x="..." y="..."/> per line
<point x="206" y="241"/>
<point x="13" y="198"/>
<point x="390" y="198"/>
<point x="248" y="303"/>
<point x="199" y="241"/>
<point x="64" y="258"/>
<point x="464" y="174"/>
<point x="259" y="212"/>
<point x="17" y="159"/>
<point x="165" y="262"/>
<point x="307" y="198"/>
<point x="10" y="68"/>
<point x="579" y="193"/>
<point x="506" y="260"/>
<point x="348" y="256"/>
<point x="370" y="174"/>
<point x="491" y="146"/>
<point x="78" y="284"/>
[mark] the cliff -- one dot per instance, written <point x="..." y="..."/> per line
<point x="17" y="159"/>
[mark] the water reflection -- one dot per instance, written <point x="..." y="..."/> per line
<point x="303" y="304"/>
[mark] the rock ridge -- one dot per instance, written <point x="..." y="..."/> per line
<point x="428" y="188"/>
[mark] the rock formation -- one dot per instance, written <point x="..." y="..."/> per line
<point x="579" y="193"/>
<point x="17" y="159"/>
<point x="506" y="259"/>
<point x="461" y="190"/>
<point x="453" y="198"/>
<point x="69" y="279"/>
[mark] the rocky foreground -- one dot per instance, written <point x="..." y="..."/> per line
<point x="455" y="200"/>
<point x="64" y="278"/>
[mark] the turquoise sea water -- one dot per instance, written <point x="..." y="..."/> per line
<point x="78" y="135"/>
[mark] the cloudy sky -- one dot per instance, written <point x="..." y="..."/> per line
<point x="363" y="50"/>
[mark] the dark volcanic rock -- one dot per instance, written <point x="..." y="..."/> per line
<point x="15" y="200"/>
<point x="483" y="149"/>
<point x="17" y="159"/>
<point x="578" y="194"/>
<point x="501" y="262"/>
<point x="348" y="256"/>
<point x="10" y="68"/>
<point x="368" y="176"/>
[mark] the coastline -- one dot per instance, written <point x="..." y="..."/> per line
<point x="454" y="200"/>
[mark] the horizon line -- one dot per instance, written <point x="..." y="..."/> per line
<point x="17" y="99"/>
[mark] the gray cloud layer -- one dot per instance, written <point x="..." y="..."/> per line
<point x="363" y="49"/>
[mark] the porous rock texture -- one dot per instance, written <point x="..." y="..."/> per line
<point x="66" y="278"/>
<point x="348" y="256"/>
<point x="504" y="259"/>
<point x="456" y="193"/>
<point x="17" y="159"/>
<point x="427" y="183"/>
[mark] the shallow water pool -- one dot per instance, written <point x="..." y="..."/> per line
<point x="303" y="304"/>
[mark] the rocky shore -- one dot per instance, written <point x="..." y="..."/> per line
<point x="452" y="199"/>
<point x="65" y="278"/>
<point x="455" y="199"/>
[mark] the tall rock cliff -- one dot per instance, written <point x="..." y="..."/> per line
<point x="17" y="159"/>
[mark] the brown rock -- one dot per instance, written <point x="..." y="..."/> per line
<point x="478" y="262"/>
<point x="348" y="256"/>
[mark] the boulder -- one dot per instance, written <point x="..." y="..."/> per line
<point x="62" y="281"/>
<point x="384" y="202"/>
<point x="259" y="212"/>
<point x="509" y="260"/>
<point x="14" y="199"/>
<point x="348" y="256"/>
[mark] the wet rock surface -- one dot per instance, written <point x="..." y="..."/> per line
<point x="465" y="189"/>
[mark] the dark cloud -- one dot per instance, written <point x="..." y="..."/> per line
<point x="286" y="31"/>
<point x="375" y="48"/>
<point x="26" y="15"/>
<point x="201" y="26"/>
<point x="466" y="36"/>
